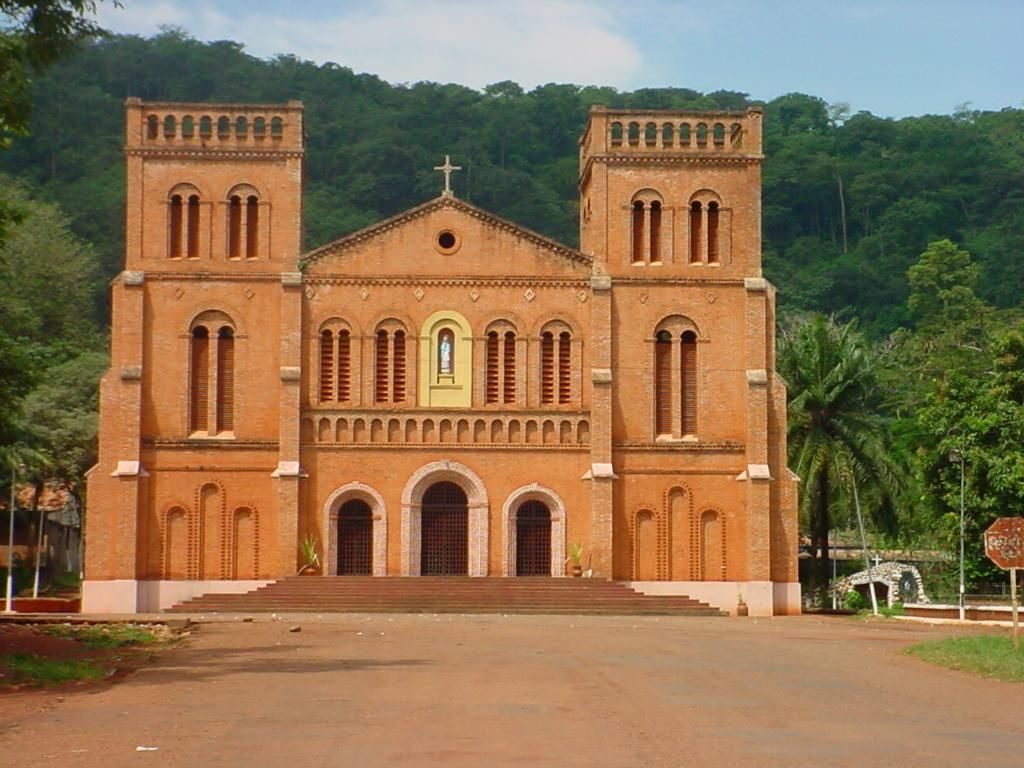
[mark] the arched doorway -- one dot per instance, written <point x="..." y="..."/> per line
<point x="355" y="539"/>
<point x="444" y="531"/>
<point x="533" y="539"/>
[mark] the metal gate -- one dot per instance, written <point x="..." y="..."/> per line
<point x="533" y="539"/>
<point x="355" y="539"/>
<point x="444" y="531"/>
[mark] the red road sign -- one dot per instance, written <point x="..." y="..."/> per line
<point x="1004" y="542"/>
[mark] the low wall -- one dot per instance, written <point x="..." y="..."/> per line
<point x="971" y="612"/>
<point x="130" y="596"/>
<point x="763" y="598"/>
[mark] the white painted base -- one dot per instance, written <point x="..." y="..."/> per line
<point x="763" y="598"/>
<point x="131" y="596"/>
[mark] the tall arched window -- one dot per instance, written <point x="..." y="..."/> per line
<point x="199" y="400"/>
<point x="183" y="222"/>
<point x="676" y="377"/>
<point x="390" y="373"/>
<point x="556" y="366"/>
<point x="712" y="233"/>
<point x="696" y="228"/>
<point x="176" y="226"/>
<point x="212" y="375"/>
<point x="225" y="380"/>
<point x="663" y="383"/>
<point x="688" y="382"/>
<point x="193" y="227"/>
<point x="645" y="223"/>
<point x="243" y="222"/>
<point x="500" y="365"/>
<point x="335" y="365"/>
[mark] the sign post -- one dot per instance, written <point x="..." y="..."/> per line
<point x="1004" y="545"/>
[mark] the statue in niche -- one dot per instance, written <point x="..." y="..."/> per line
<point x="444" y="353"/>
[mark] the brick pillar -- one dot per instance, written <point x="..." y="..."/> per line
<point x="601" y="533"/>
<point x="758" y="472"/>
<point x="289" y="471"/>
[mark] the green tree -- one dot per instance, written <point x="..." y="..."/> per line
<point x="836" y="432"/>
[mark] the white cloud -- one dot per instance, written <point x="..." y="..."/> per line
<point x="474" y="43"/>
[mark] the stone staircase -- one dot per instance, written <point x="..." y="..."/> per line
<point x="451" y="594"/>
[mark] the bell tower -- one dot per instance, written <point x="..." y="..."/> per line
<point x="672" y="193"/>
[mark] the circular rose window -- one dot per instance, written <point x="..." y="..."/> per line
<point x="446" y="241"/>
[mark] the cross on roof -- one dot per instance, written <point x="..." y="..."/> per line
<point x="447" y="169"/>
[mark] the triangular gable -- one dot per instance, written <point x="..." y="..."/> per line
<point x="342" y="246"/>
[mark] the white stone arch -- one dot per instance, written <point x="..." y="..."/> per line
<point x="378" y="509"/>
<point x="476" y="500"/>
<point x="555" y="505"/>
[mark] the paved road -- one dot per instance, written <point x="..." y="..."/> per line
<point x="555" y="691"/>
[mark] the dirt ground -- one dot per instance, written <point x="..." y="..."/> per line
<point x="529" y="690"/>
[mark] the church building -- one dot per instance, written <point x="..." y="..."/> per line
<point x="444" y="392"/>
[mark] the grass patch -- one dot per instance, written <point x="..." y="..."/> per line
<point x="27" y="667"/>
<point x="96" y="636"/>
<point x="986" y="655"/>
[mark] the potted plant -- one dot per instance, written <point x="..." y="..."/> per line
<point x="310" y="557"/>
<point x="576" y="558"/>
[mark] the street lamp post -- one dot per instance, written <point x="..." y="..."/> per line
<point x="958" y="456"/>
<point x="8" y="606"/>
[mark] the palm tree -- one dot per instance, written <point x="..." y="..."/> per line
<point x="836" y="433"/>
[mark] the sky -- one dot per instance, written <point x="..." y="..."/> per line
<point x="890" y="57"/>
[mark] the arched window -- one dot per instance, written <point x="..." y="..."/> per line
<point x="234" y="227"/>
<point x="225" y="380"/>
<point x="183" y="223"/>
<point x="152" y="127"/>
<point x="389" y="368"/>
<point x="175" y="226"/>
<point x="646" y="227"/>
<point x="634" y="134"/>
<point x="702" y="134"/>
<point x="277" y="127"/>
<point x="650" y="134"/>
<point x="259" y="127"/>
<point x="676" y="376"/>
<point x="241" y="127"/>
<point x="718" y="135"/>
<point x="170" y="127"/>
<point x="223" y="127"/>
<point x="663" y="383"/>
<point x="712" y="233"/>
<point x="509" y="372"/>
<point x="684" y="135"/>
<point x="616" y="134"/>
<point x="193" y="227"/>
<point x="500" y="365"/>
<point x="252" y="227"/>
<point x="335" y="365"/>
<point x="705" y="228"/>
<point x="556" y="367"/>
<point x="666" y="135"/>
<point x="188" y="126"/>
<point x="243" y="222"/>
<point x="688" y="382"/>
<point x="696" y="229"/>
<point x="199" y="400"/>
<point x="212" y="376"/>
<point x="655" y="247"/>
<point x="205" y="127"/>
<point x="638" y="232"/>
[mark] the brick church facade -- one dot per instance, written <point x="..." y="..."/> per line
<point x="444" y="392"/>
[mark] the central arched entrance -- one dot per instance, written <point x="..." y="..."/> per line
<point x="444" y="532"/>
<point x="355" y="539"/>
<point x="533" y="539"/>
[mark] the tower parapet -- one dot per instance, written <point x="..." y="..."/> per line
<point x="155" y="125"/>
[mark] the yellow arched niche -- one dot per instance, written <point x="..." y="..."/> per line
<point x="450" y="387"/>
